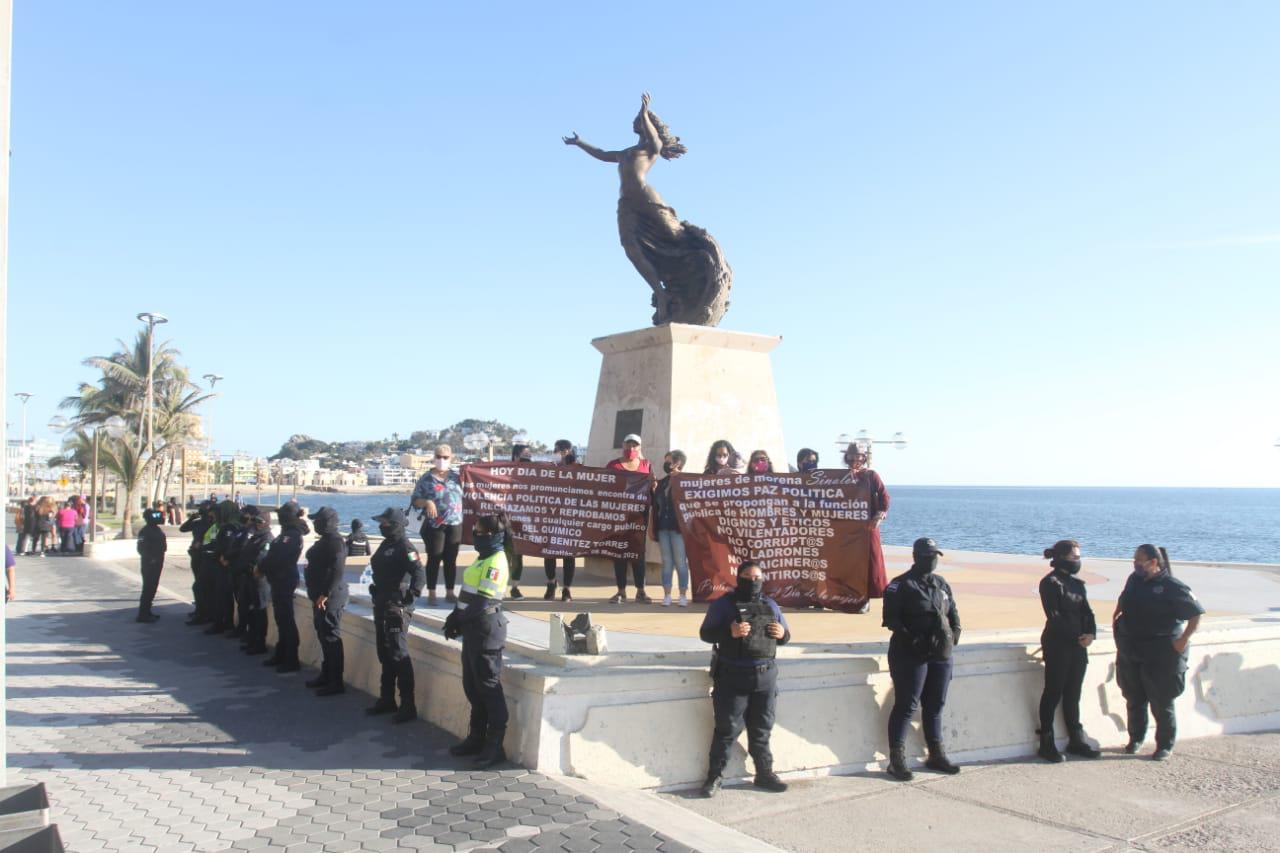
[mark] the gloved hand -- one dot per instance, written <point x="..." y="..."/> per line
<point x="451" y="628"/>
<point x="373" y="591"/>
<point x="408" y="597"/>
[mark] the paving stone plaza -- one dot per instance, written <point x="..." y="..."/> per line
<point x="156" y="737"/>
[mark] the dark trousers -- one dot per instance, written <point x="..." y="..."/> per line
<point x="243" y="585"/>
<point x="637" y="573"/>
<point x="197" y="584"/>
<point x="327" y="622"/>
<point x="1064" y="666"/>
<point x="67" y="542"/>
<point x="482" y="683"/>
<point x="208" y="581"/>
<point x="26" y="543"/>
<point x="151" y="569"/>
<point x="442" y="547"/>
<point x="391" y="641"/>
<point x="1156" y="678"/>
<point x="570" y="566"/>
<point x="259" y="604"/>
<point x="743" y="695"/>
<point x="224" y="597"/>
<point x="517" y="569"/>
<point x="286" y="626"/>
<point x="917" y="682"/>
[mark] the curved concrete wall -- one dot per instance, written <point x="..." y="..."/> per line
<point x="644" y="720"/>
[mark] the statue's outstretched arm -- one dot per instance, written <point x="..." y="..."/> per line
<point x="652" y="142"/>
<point x="598" y="153"/>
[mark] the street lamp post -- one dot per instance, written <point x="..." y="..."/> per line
<point x="212" y="379"/>
<point x="152" y="320"/>
<point x="864" y="440"/>
<point x="22" y="445"/>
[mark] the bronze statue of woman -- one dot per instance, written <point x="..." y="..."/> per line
<point x="681" y="262"/>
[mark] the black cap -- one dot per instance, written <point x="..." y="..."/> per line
<point x="924" y="547"/>
<point x="392" y="515"/>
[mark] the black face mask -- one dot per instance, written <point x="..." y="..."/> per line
<point x="486" y="543"/>
<point x="808" y="466"/>
<point x="385" y="529"/>
<point x="749" y="589"/>
<point x="926" y="565"/>
<point x="1071" y="567"/>
<point x="666" y="467"/>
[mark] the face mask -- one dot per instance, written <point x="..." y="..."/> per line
<point x="808" y="466"/>
<point x="666" y="467"/>
<point x="629" y="453"/>
<point x="486" y="543"/>
<point x="927" y="564"/>
<point x="442" y="464"/>
<point x="385" y="529"/>
<point x="1071" y="567"/>
<point x="760" y="467"/>
<point x="722" y="460"/>
<point x="749" y="589"/>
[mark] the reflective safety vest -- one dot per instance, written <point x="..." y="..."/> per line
<point x="487" y="578"/>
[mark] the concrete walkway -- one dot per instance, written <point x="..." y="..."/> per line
<point x="157" y="737"/>
<point x="1219" y="793"/>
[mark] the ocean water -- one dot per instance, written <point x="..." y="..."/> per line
<point x="1219" y="525"/>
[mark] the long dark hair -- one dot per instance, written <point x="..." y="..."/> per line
<point x="672" y="147"/>
<point x="1155" y="552"/>
<point x="1061" y="548"/>
<point x="712" y="467"/>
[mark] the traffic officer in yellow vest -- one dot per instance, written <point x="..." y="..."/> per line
<point x="478" y="619"/>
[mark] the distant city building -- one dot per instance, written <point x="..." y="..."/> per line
<point x="382" y="474"/>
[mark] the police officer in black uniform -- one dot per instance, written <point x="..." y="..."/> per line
<point x="746" y="627"/>
<point x="280" y="566"/>
<point x="921" y="612"/>
<point x="197" y="525"/>
<point x="1153" y="621"/>
<point x="151" y="548"/>
<point x="398" y="578"/>
<point x="327" y="590"/>
<point x="1069" y="629"/>
<point x="218" y="557"/>
<point x="357" y="541"/>
<point x="257" y="599"/>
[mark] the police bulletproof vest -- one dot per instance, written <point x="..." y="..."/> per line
<point x="757" y="645"/>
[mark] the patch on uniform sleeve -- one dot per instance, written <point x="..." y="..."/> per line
<point x="494" y="574"/>
<point x="891" y="587"/>
<point x="413" y="555"/>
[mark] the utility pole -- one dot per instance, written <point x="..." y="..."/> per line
<point x="22" y="449"/>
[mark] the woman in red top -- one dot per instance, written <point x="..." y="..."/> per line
<point x="631" y="460"/>
<point x="858" y="458"/>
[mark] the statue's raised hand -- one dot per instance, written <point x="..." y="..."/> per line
<point x="572" y="140"/>
<point x="644" y="101"/>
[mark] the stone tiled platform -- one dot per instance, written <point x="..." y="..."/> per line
<point x="157" y="737"/>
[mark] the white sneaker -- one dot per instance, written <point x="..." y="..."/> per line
<point x="666" y="600"/>
<point x="684" y="601"/>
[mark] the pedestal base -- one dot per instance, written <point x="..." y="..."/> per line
<point x="684" y="387"/>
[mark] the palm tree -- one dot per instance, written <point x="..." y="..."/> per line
<point x="77" y="452"/>
<point x="121" y="392"/>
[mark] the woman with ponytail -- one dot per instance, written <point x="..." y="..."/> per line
<point x="1153" y="621"/>
<point x="1069" y="628"/>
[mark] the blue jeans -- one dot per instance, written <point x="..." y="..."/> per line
<point x="673" y="558"/>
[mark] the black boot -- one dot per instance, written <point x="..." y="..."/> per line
<point x="1079" y="746"/>
<point x="492" y="752"/>
<point x="470" y="745"/>
<point x="335" y="683"/>
<point x="898" y="763"/>
<point x="550" y="594"/>
<point x="766" y="779"/>
<point x="937" y="759"/>
<point x="386" y="695"/>
<point x="516" y="593"/>
<point x="1048" y="749"/>
<point x="322" y="679"/>
<point x="273" y="659"/>
<point x="408" y="705"/>
<point x="711" y="787"/>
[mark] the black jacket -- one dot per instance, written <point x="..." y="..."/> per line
<point x="921" y="612"/>
<point x="326" y="560"/>
<point x="1155" y="608"/>
<point x="398" y="573"/>
<point x="152" y="543"/>
<point x="1066" y="609"/>
<point x="280" y="564"/>
<point x="252" y="551"/>
<point x="196" y="525"/>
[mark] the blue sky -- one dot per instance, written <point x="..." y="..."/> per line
<point x="1042" y="241"/>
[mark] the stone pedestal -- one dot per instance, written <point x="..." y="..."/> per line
<point x="683" y="387"/>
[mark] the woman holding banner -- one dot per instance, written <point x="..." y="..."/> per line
<point x="664" y="527"/>
<point x="567" y="459"/>
<point x="858" y="458"/>
<point x="439" y="495"/>
<point x="723" y="459"/>
<point x="631" y="460"/>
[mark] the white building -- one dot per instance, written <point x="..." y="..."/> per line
<point x="391" y="475"/>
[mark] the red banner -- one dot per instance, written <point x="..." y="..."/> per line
<point x="810" y="533"/>
<point x="561" y="511"/>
